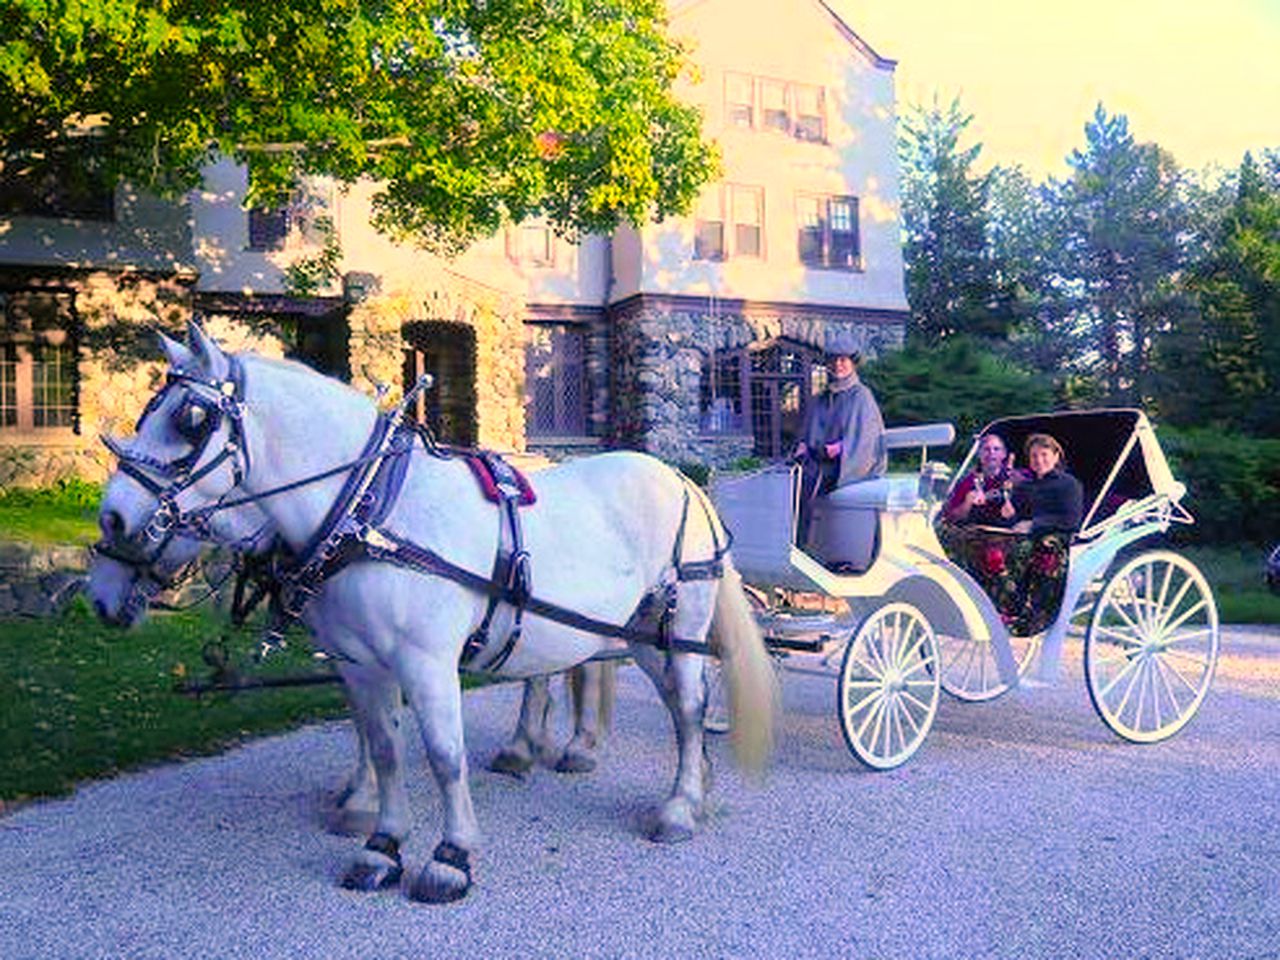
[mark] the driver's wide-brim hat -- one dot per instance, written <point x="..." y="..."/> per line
<point x="843" y="343"/>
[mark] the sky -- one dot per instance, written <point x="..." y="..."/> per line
<point x="1199" y="77"/>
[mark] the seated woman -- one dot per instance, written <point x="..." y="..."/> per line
<point x="1023" y="575"/>
<point x="978" y="507"/>
<point x="980" y="495"/>
<point x="1049" y="508"/>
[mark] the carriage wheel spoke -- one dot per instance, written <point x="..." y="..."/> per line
<point x="1119" y="635"/>
<point x="915" y="727"/>
<point x="1163" y="670"/>
<point x="895" y="723"/>
<point x="924" y="707"/>
<point x="1119" y="611"/>
<point x="1153" y="673"/>
<point x="858" y="707"/>
<point x="1167" y="662"/>
<point x="1183" y="617"/>
<point x="876" y="709"/>
<point x="1175" y="603"/>
<point x="1146" y="615"/>
<point x="1164" y="591"/>
<point x="922" y="664"/>
<point x="1129" y="668"/>
<point x="1188" y="635"/>
<point x="1199" y="661"/>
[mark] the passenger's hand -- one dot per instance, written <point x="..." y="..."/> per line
<point x="1007" y="511"/>
<point x="832" y="450"/>
<point x="975" y="498"/>
<point x="800" y="452"/>
<point x="1022" y="526"/>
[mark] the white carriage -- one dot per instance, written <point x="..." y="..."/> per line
<point x="911" y="623"/>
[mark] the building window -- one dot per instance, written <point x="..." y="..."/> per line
<point x="531" y="244"/>
<point x="722" y="400"/>
<point x="796" y="109"/>
<point x="775" y="114"/>
<point x="742" y="235"/>
<point x="827" y="235"/>
<point x="268" y="228"/>
<point x="740" y="100"/>
<point x="66" y="183"/>
<point x="762" y="390"/>
<point x="810" y="113"/>
<point x="556" y="380"/>
<point x="38" y="371"/>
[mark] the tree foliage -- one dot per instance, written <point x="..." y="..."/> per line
<point x="961" y="381"/>
<point x="1120" y="222"/>
<point x="1222" y="365"/>
<point x="951" y="282"/>
<point x="470" y="114"/>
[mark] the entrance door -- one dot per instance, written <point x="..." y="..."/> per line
<point x="781" y="373"/>
<point x="447" y="351"/>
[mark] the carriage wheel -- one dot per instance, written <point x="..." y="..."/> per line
<point x="1152" y="646"/>
<point x="888" y="686"/>
<point x="969" y="670"/>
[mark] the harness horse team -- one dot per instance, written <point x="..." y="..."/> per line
<point x="404" y="569"/>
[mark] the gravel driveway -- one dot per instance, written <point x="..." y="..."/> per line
<point x="1021" y="829"/>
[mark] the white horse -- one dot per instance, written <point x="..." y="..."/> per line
<point x="607" y="534"/>
<point x="123" y="583"/>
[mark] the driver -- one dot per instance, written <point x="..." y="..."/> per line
<point x="843" y="440"/>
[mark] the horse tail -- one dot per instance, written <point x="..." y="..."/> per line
<point x="752" y="684"/>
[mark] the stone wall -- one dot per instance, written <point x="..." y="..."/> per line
<point x="38" y="581"/>
<point x="658" y="355"/>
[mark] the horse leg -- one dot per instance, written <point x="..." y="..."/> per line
<point x="531" y="741"/>
<point x="355" y="806"/>
<point x="678" y="678"/>
<point x="432" y="689"/>
<point x="375" y="702"/>
<point x="587" y="692"/>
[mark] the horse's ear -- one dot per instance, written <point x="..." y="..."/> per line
<point x="207" y="353"/>
<point x="176" y="353"/>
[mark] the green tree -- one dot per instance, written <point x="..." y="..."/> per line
<point x="962" y="381"/>
<point x="1019" y="237"/>
<point x="1222" y="365"/>
<point x="951" y="285"/>
<point x="1121" y="228"/>
<point x="470" y="114"/>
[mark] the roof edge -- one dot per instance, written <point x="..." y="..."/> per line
<point x="884" y="63"/>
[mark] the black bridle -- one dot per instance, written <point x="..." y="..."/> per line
<point x="208" y="405"/>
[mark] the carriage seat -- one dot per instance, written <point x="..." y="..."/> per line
<point x="846" y="521"/>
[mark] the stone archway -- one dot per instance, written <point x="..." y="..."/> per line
<point x="447" y="351"/>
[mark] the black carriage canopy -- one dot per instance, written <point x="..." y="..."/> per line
<point x="1113" y="453"/>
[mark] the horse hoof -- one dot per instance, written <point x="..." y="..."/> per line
<point x="511" y="764"/>
<point x="665" y="832"/>
<point x="371" y="872"/>
<point x="573" y="762"/>
<point x="440" y="883"/>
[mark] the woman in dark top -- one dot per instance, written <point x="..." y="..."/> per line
<point x="1053" y="500"/>
<point x="1049" y="508"/>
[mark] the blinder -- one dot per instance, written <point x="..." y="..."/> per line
<point x="196" y="421"/>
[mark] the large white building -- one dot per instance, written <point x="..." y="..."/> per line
<point x="699" y="338"/>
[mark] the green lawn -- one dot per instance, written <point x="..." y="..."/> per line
<point x="79" y="699"/>
<point x="1238" y="585"/>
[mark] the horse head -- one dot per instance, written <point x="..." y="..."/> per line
<point x="187" y="451"/>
